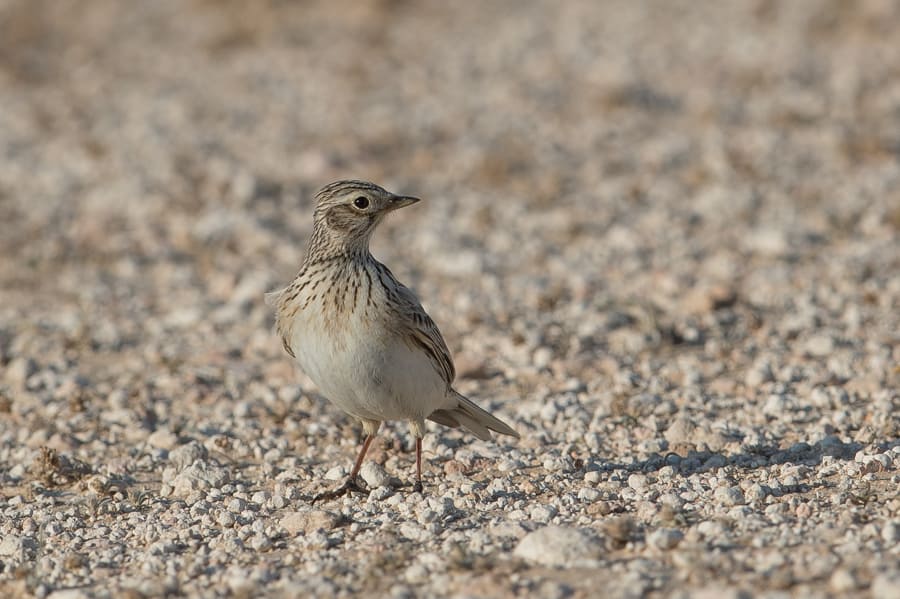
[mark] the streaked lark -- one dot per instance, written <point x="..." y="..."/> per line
<point x="362" y="336"/>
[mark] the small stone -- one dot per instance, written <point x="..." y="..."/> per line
<point x="890" y="532"/>
<point x="880" y="462"/>
<point x="560" y="546"/>
<point x="225" y="519"/>
<point x="199" y="476"/>
<point x="766" y="241"/>
<point x="819" y="346"/>
<point x="413" y="531"/>
<point x="185" y="455"/>
<point x="665" y="538"/>
<point x="593" y="477"/>
<point x="18" y="371"/>
<point x="729" y="496"/>
<point x="701" y="300"/>
<point x="638" y="482"/>
<point x="374" y="475"/>
<point x="163" y="438"/>
<point x="588" y="494"/>
<point x="380" y="493"/>
<point x="758" y="374"/>
<point x="309" y="521"/>
<point x="711" y="529"/>
<point x="541" y="357"/>
<point x="416" y="574"/>
<point x="886" y="585"/>
<point x="260" y="542"/>
<point x="680" y="431"/>
<point x="509" y="465"/>
<point x="454" y="468"/>
<point x="842" y="581"/>
<point x="543" y="513"/>
<point x="558" y="464"/>
<point x="11" y="546"/>
<point x="68" y="594"/>
<point x="775" y="406"/>
<point x="336" y="473"/>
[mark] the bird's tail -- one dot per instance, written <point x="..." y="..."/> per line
<point x="472" y="418"/>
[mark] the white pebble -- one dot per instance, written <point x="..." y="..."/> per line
<point x="729" y="496"/>
<point x="665" y="538"/>
<point x="560" y="546"/>
<point x="374" y="475"/>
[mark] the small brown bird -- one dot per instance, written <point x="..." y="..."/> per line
<point x="362" y="336"/>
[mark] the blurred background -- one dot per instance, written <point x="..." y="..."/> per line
<point x="159" y="161"/>
<point x="608" y="185"/>
<point x="633" y="211"/>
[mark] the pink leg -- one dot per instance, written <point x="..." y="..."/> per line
<point x="418" y="486"/>
<point x="351" y="484"/>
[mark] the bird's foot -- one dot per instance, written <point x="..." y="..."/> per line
<point x="350" y="485"/>
<point x="417" y="487"/>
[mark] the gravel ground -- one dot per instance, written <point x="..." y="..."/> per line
<point x="661" y="238"/>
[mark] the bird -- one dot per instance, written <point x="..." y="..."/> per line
<point x="362" y="336"/>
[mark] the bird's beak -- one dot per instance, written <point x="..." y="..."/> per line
<point x="402" y="202"/>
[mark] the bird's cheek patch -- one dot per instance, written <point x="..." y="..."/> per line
<point x="339" y="218"/>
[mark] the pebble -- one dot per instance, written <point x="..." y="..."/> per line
<point x="381" y="493"/>
<point x="729" y="496"/>
<point x="510" y="465"/>
<point x="886" y="585"/>
<point x="19" y="370"/>
<point x="760" y="373"/>
<point x="225" y="519"/>
<point x="186" y="455"/>
<point x="543" y="513"/>
<point x="336" y="473"/>
<point x="199" y="476"/>
<point x="68" y="594"/>
<point x="890" y="533"/>
<point x="309" y="521"/>
<point x="15" y="546"/>
<point x="843" y="581"/>
<point x="681" y="431"/>
<point x="638" y="482"/>
<point x="374" y="475"/>
<point x="560" y="546"/>
<point x="819" y="346"/>
<point x="163" y="439"/>
<point x="665" y="538"/>
<point x="588" y="494"/>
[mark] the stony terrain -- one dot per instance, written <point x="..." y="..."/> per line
<point x="661" y="238"/>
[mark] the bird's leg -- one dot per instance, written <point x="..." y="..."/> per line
<point x="352" y="482"/>
<point x="417" y="488"/>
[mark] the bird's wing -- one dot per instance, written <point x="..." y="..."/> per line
<point x="283" y="323"/>
<point x="423" y="333"/>
<point x="414" y="324"/>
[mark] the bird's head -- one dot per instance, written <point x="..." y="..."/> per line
<point x="348" y="211"/>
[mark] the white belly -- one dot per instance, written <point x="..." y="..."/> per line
<point x="364" y="369"/>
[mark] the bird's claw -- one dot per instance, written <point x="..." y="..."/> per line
<point x="350" y="485"/>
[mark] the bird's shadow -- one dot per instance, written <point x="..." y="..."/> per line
<point x="753" y="458"/>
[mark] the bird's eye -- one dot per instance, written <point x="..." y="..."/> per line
<point x="362" y="202"/>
